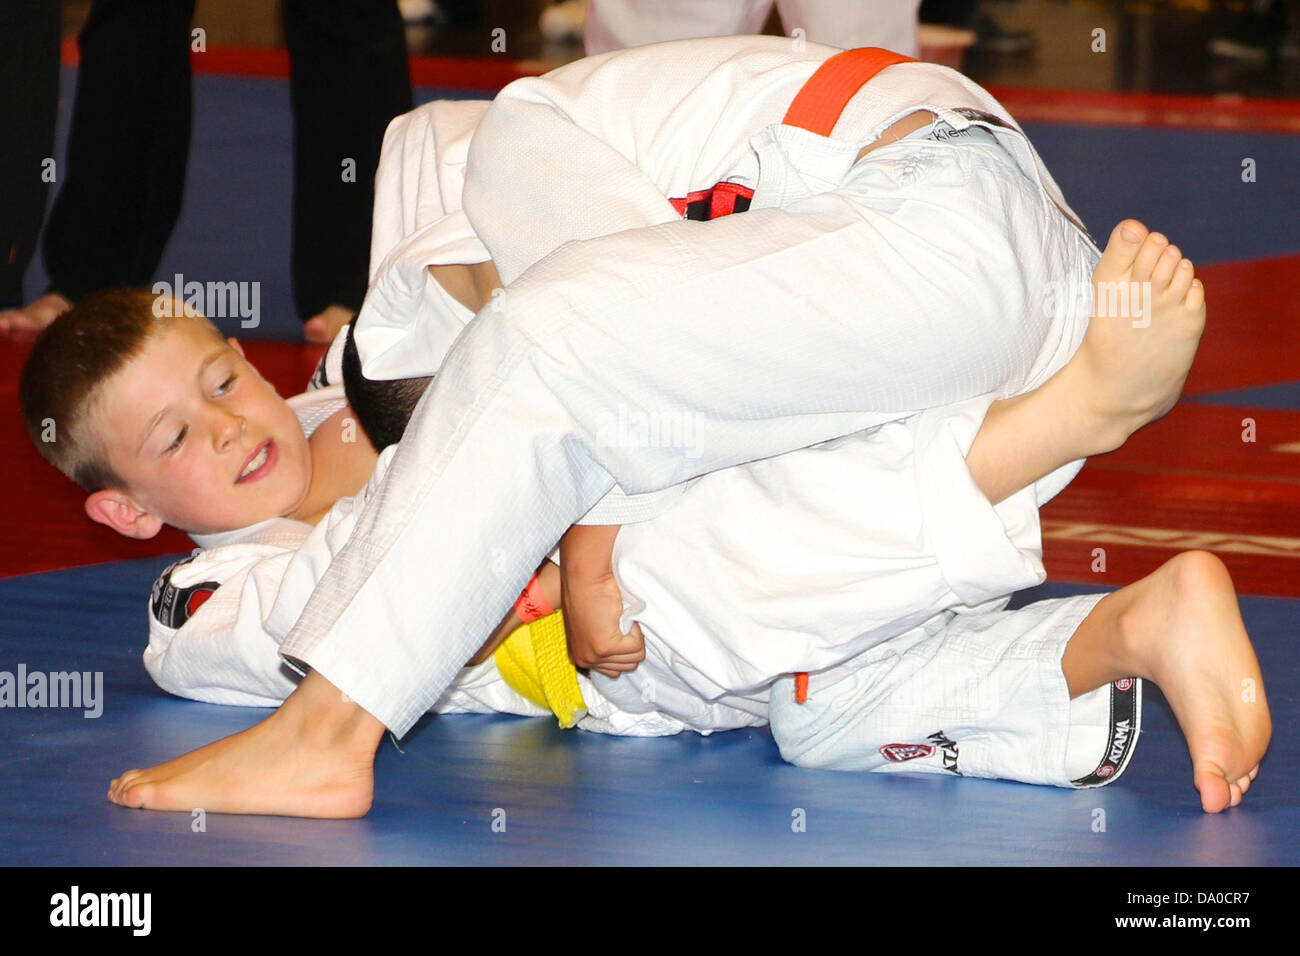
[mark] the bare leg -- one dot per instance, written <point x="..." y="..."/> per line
<point x="1129" y="369"/>
<point x="1180" y="627"/>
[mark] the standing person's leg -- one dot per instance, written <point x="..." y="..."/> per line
<point x="349" y="77"/>
<point x="29" y="95"/>
<point x="618" y="24"/>
<point x="127" y="148"/>
<point x="887" y="23"/>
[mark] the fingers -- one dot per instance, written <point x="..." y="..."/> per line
<point x="616" y="664"/>
<point x="613" y="671"/>
<point x="612" y="654"/>
<point x="593" y="659"/>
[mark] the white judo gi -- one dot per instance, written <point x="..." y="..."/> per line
<point x="849" y="295"/>
<point x="899" y="177"/>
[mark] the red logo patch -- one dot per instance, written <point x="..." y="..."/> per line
<point x="900" y="752"/>
<point x="1124" y="683"/>
<point x="1105" y="770"/>
<point x="196" y="601"/>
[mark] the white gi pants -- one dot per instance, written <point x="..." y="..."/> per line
<point x="616" y="24"/>
<point x="918" y="280"/>
<point x="980" y="695"/>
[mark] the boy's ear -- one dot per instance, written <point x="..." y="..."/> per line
<point x="119" y="512"/>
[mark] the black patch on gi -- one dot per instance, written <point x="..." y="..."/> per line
<point x="172" y="606"/>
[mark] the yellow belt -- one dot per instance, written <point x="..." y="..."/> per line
<point x="534" y="661"/>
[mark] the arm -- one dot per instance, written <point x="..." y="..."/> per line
<point x="593" y="605"/>
<point x="208" y="639"/>
<point x="207" y="635"/>
<point x="549" y="575"/>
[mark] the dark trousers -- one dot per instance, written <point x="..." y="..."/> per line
<point x="349" y="76"/>
<point x="29" y="95"/>
<point x="127" y="147"/>
<point x="130" y="138"/>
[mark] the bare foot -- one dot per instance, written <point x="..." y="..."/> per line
<point x="1148" y="316"/>
<point x="1187" y="636"/>
<point x="321" y="328"/>
<point x="35" y="316"/>
<point x="314" y="757"/>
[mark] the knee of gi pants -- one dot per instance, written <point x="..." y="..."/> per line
<point x="832" y="728"/>
<point x="986" y="241"/>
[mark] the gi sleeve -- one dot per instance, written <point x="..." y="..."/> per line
<point x="208" y="639"/>
<point x="408" y="321"/>
<point x="983" y="552"/>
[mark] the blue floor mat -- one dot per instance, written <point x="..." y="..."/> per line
<point x="580" y="798"/>
<point x="1283" y="397"/>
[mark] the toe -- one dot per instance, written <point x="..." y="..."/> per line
<point x="124" y="781"/>
<point x="1130" y="231"/>
<point x="1148" y="256"/>
<point x="1164" y="269"/>
<point x="1213" y="787"/>
<point x="1195" y="298"/>
<point x="1182" y="280"/>
<point x="1122" y="248"/>
<point x="138" y="796"/>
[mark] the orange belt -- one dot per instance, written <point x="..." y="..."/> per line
<point x="822" y="99"/>
<point x="817" y="109"/>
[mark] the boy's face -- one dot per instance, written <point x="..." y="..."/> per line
<point x="201" y="440"/>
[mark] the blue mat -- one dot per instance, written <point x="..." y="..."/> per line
<point x="1185" y="183"/>
<point x="1283" y="397"/>
<point x="580" y="798"/>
